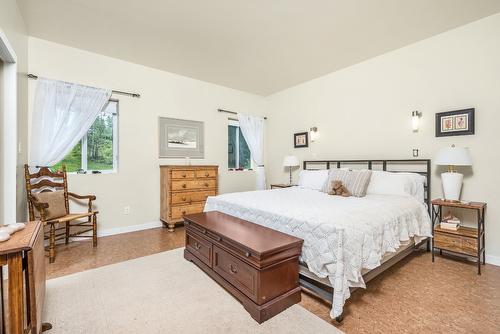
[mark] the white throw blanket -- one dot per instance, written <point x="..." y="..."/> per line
<point x="342" y="235"/>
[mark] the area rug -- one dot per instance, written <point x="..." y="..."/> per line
<point x="161" y="293"/>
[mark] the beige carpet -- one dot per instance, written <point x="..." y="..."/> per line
<point x="161" y="293"/>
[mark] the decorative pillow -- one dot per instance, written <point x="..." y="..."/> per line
<point x="397" y="183"/>
<point x="356" y="181"/>
<point x="313" y="179"/>
<point x="56" y="202"/>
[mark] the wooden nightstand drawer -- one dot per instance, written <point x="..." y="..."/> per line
<point x="455" y="243"/>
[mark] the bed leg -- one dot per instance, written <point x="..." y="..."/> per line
<point x="428" y="245"/>
<point x="340" y="318"/>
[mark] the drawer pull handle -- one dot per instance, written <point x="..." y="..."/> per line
<point x="207" y="174"/>
<point x="206" y="184"/>
<point x="184" y="175"/>
<point x="197" y="246"/>
<point x="247" y="254"/>
<point x="183" y="185"/>
<point x="233" y="269"/>
<point x="184" y="212"/>
<point x="184" y="198"/>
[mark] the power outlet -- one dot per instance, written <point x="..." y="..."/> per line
<point x="126" y="210"/>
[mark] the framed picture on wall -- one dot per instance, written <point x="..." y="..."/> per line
<point x="455" y="123"/>
<point x="300" y="140"/>
<point x="180" y="138"/>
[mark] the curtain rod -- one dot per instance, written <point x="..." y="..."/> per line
<point x="32" y="76"/>
<point x="230" y="112"/>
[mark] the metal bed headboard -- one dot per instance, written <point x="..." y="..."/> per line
<point x="385" y="165"/>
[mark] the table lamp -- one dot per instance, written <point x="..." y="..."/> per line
<point x="291" y="161"/>
<point x="451" y="180"/>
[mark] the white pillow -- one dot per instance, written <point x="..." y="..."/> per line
<point x="313" y="179"/>
<point x="404" y="184"/>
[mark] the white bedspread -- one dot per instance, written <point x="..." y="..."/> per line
<point x="341" y="235"/>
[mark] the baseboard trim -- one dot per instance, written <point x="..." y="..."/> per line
<point x="494" y="260"/>
<point x="127" y="229"/>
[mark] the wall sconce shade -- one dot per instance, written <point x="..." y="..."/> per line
<point x="415" y="120"/>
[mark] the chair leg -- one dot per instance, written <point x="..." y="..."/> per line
<point x="94" y="230"/>
<point x="66" y="240"/>
<point x="52" y="243"/>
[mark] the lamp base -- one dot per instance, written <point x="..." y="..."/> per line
<point x="452" y="186"/>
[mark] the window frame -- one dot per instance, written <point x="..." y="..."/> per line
<point x="236" y="123"/>
<point x="84" y="147"/>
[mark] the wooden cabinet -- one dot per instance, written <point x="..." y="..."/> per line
<point x="184" y="190"/>
<point x="465" y="240"/>
<point x="257" y="265"/>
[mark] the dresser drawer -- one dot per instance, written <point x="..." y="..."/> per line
<point x="193" y="184"/>
<point x="205" y="173"/>
<point x="181" y="210"/>
<point x="188" y="197"/>
<point x="200" y="248"/>
<point x="236" y="272"/>
<point x="182" y="174"/>
<point x="456" y="243"/>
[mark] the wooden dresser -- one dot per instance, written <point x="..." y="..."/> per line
<point x="24" y="256"/>
<point x="257" y="265"/>
<point x="184" y="190"/>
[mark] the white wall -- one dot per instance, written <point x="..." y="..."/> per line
<point x="12" y="24"/>
<point x="364" y="111"/>
<point x="137" y="184"/>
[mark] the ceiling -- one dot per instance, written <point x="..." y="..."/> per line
<point x="258" y="46"/>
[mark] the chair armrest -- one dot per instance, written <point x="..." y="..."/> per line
<point x="89" y="197"/>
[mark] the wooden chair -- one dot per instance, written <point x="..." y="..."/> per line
<point x="45" y="181"/>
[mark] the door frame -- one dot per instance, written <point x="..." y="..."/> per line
<point x="8" y="131"/>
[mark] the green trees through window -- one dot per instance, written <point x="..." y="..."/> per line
<point x="98" y="149"/>
<point x="238" y="153"/>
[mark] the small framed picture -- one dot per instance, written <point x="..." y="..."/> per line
<point x="455" y="123"/>
<point x="300" y="140"/>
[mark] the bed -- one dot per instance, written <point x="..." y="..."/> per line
<point x="347" y="240"/>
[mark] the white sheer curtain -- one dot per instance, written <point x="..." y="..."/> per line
<point x="63" y="112"/>
<point x="252" y="129"/>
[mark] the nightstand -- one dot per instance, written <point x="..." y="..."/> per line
<point x="467" y="241"/>
<point x="281" y="185"/>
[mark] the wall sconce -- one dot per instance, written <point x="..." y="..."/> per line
<point x="415" y="120"/>
<point x="314" y="134"/>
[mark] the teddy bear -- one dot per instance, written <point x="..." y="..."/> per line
<point x="339" y="189"/>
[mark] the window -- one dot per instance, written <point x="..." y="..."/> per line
<point x="98" y="149"/>
<point x="238" y="153"/>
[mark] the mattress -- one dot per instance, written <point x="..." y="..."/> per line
<point x="343" y="236"/>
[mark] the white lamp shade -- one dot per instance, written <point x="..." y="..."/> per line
<point x="291" y="161"/>
<point x="454" y="156"/>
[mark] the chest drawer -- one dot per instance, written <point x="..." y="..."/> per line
<point x="456" y="243"/>
<point x="236" y="272"/>
<point x="205" y="173"/>
<point x="181" y="210"/>
<point x="200" y="247"/>
<point x="188" y="197"/>
<point x="183" y="174"/>
<point x="193" y="184"/>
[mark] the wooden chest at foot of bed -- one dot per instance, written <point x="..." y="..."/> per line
<point x="257" y="265"/>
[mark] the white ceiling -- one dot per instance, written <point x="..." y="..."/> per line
<point x="258" y="46"/>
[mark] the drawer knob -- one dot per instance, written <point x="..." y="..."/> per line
<point x="184" y="212"/>
<point x="206" y="184"/>
<point x="207" y="174"/>
<point x="233" y="269"/>
<point x="184" y="198"/>
<point x="184" y="175"/>
<point x="183" y="185"/>
<point x="197" y="246"/>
